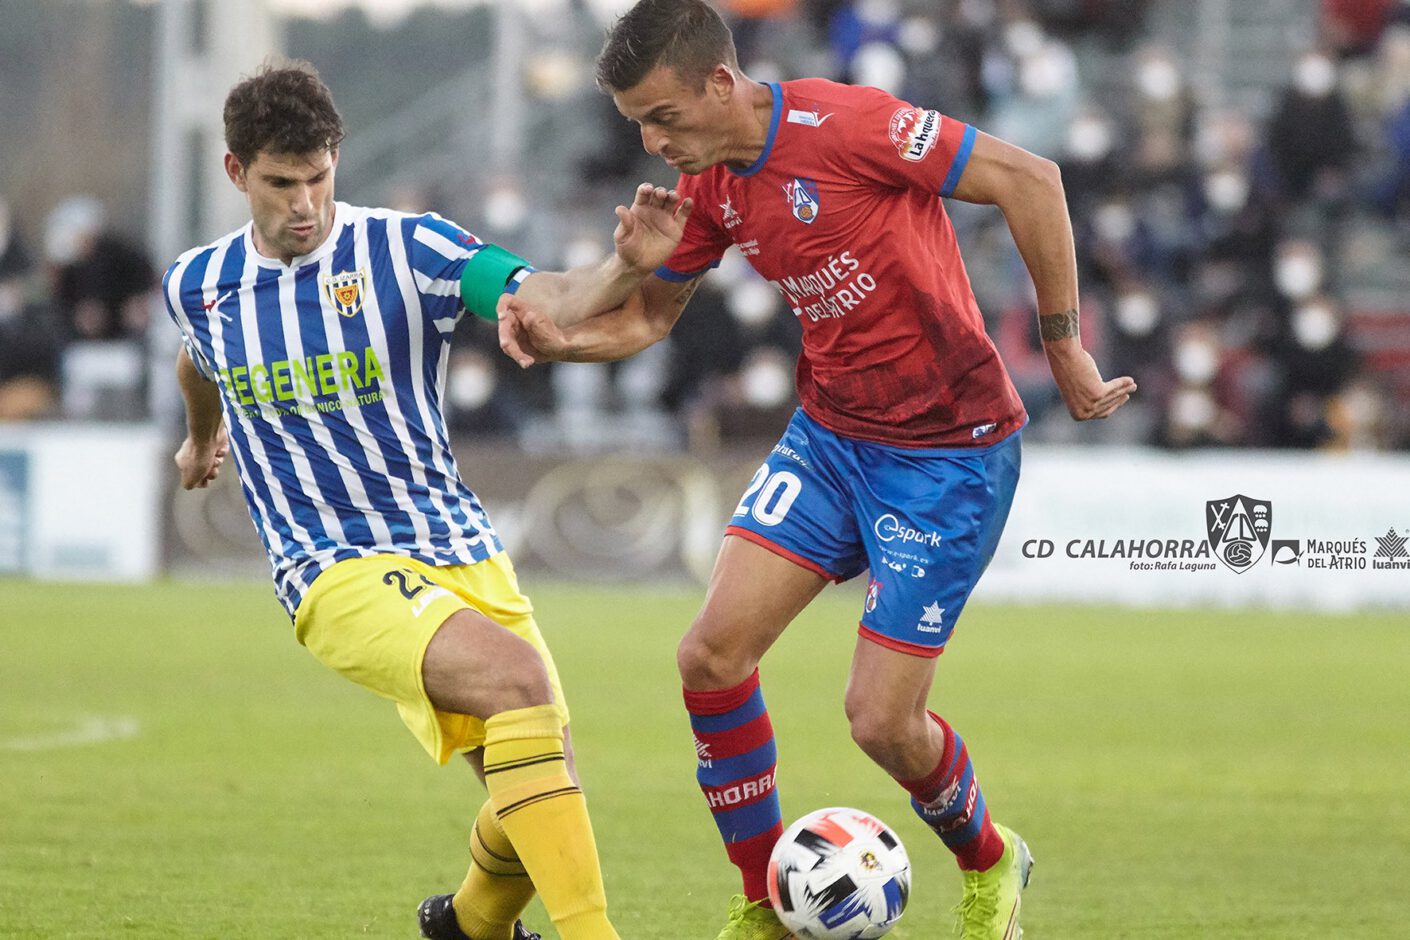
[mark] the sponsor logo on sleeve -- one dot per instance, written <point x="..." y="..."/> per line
<point x="914" y="132"/>
<point x="807" y="118"/>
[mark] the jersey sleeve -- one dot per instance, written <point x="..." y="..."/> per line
<point x="172" y="297"/>
<point x="703" y="243"/>
<point x="894" y="143"/>
<point x="438" y="251"/>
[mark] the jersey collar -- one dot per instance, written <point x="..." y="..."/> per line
<point x="342" y="214"/>
<point x="758" y="164"/>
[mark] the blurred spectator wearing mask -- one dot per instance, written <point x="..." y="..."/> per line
<point x="1311" y="141"/>
<point x="1091" y="169"/>
<point x="1163" y="112"/>
<point x="103" y="290"/>
<point x="102" y="280"/>
<point x="1316" y="360"/>
<point x="29" y="346"/>
<point x="1034" y="87"/>
<point x="1195" y="415"/>
<point x="1232" y="222"/>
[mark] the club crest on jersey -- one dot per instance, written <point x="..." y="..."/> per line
<point x="803" y="199"/>
<point x="345" y="291"/>
<point x="914" y="132"/>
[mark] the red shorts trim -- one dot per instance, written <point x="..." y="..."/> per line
<point x="900" y="646"/>
<point x="751" y="536"/>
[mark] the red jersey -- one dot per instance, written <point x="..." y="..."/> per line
<point x="842" y="213"/>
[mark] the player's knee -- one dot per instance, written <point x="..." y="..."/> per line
<point x="879" y="734"/>
<point x="521" y="681"/>
<point x="696" y="662"/>
<point x="704" y="663"/>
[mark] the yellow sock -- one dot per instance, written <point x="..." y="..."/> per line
<point x="497" y="889"/>
<point x="545" y="816"/>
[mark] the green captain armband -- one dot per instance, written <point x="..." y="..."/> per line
<point x="491" y="271"/>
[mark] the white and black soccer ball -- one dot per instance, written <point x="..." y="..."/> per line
<point x="839" y="874"/>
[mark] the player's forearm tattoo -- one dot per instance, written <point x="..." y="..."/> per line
<point x="1056" y="326"/>
<point x="687" y="292"/>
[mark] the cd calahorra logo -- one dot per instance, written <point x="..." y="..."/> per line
<point x="1238" y="528"/>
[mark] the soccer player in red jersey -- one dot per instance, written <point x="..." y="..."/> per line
<point x="904" y="456"/>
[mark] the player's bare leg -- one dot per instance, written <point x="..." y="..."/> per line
<point x="753" y="596"/>
<point x="886" y="706"/>
<point x="474" y="666"/>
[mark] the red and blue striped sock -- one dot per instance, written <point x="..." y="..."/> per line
<point x="738" y="761"/>
<point x="949" y="800"/>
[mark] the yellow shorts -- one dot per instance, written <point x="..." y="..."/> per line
<point x="371" y="619"/>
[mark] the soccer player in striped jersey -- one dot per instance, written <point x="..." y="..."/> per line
<point x="315" y="347"/>
<point x="903" y="458"/>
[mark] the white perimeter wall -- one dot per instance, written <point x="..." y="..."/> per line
<point x="90" y="506"/>
<point x="81" y="501"/>
<point x="1098" y="493"/>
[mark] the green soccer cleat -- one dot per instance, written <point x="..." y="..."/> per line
<point x="750" y="921"/>
<point x="989" y="908"/>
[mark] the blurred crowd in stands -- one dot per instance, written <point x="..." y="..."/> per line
<point x="73" y="317"/>
<point x="1219" y="249"/>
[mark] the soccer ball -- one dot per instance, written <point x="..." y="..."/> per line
<point x="839" y="874"/>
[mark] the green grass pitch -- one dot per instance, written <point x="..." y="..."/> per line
<point x="1178" y="774"/>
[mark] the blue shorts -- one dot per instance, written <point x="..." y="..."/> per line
<point x="926" y="522"/>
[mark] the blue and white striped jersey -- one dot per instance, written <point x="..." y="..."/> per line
<point x="332" y="371"/>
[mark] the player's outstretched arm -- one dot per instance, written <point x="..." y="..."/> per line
<point x="647" y="233"/>
<point x="207" y="442"/>
<point x="1028" y="190"/>
<point x="529" y="337"/>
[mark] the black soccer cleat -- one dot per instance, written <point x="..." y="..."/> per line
<point x="436" y="915"/>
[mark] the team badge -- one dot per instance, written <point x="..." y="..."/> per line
<point x="1238" y="528"/>
<point x="345" y="291"/>
<point x="803" y="199"/>
<point x="873" y="592"/>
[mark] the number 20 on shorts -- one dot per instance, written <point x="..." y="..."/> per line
<point x="772" y="494"/>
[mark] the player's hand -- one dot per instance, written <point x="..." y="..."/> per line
<point x="199" y="463"/>
<point x="528" y="336"/>
<point x="648" y="232"/>
<point x="1080" y="382"/>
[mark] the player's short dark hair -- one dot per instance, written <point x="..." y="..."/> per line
<point x="281" y="109"/>
<point x="686" y="35"/>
